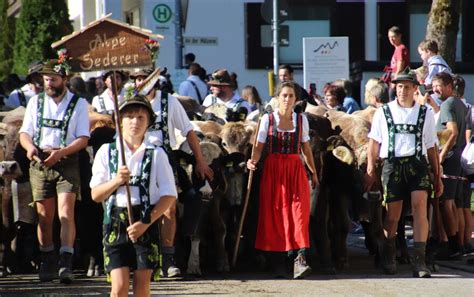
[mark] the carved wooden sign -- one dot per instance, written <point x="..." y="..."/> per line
<point x="105" y="45"/>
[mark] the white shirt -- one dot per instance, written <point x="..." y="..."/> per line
<point x="177" y="119"/>
<point x="187" y="89"/>
<point x="13" y="100"/>
<point x="229" y="104"/>
<point x="51" y="137"/>
<point x="264" y="123"/>
<point x="161" y="176"/>
<point x="404" y="143"/>
<point x="108" y="101"/>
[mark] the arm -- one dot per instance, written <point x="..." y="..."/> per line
<point x="308" y="158"/>
<point x="433" y="159"/>
<point x="202" y="169"/>
<point x="400" y="66"/>
<point x="256" y="155"/>
<point x="453" y="127"/>
<point x="468" y="135"/>
<point x="27" y="143"/>
<point x="372" y="156"/>
<point x="103" y="191"/>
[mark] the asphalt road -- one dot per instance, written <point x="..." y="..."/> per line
<point x="455" y="278"/>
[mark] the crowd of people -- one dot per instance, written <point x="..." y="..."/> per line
<point x="410" y="107"/>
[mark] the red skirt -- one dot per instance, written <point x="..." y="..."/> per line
<point x="283" y="220"/>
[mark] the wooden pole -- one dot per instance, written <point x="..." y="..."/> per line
<point x="246" y="201"/>
<point x="122" y="150"/>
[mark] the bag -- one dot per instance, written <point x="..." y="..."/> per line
<point x="387" y="76"/>
<point x="467" y="158"/>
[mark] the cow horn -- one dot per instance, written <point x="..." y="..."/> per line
<point x="344" y="154"/>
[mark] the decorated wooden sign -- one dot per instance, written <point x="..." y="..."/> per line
<point x="107" y="44"/>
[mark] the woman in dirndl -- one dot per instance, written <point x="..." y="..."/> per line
<point x="283" y="221"/>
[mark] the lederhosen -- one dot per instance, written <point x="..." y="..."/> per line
<point x="403" y="175"/>
<point x="119" y="251"/>
<point x="64" y="169"/>
<point x="283" y="221"/>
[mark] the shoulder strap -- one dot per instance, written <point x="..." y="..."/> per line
<point x="39" y="119"/>
<point x="197" y="91"/>
<point x="67" y="118"/>
<point x="21" y="97"/>
<point x="391" y="130"/>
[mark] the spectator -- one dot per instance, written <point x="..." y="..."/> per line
<point x="34" y="86"/>
<point x="193" y="86"/>
<point x="400" y="58"/>
<point x="368" y="85"/>
<point x="349" y="103"/>
<point x="250" y="94"/>
<point x="104" y="103"/>
<point x="428" y="50"/>
<point x="378" y="94"/>
<point x="285" y="73"/>
<point x="189" y="58"/>
<point x="334" y="97"/>
<point x="78" y="87"/>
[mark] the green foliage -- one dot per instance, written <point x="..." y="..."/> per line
<point x="41" y="23"/>
<point x="7" y="38"/>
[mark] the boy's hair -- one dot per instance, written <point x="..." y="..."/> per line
<point x="345" y="84"/>
<point x="444" y="78"/>
<point x="395" y="30"/>
<point x="429" y="45"/>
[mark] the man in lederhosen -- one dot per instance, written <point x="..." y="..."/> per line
<point x="403" y="134"/>
<point x="55" y="128"/>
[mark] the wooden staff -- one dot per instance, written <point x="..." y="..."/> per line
<point x="118" y="128"/>
<point x="246" y="201"/>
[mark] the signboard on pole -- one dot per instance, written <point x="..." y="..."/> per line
<point x="107" y="44"/>
<point x="325" y="59"/>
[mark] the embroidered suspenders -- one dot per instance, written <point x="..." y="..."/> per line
<point x="416" y="129"/>
<point x="142" y="182"/>
<point x="162" y="125"/>
<point x="283" y="142"/>
<point x="50" y="123"/>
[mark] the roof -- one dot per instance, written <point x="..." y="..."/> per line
<point x="145" y="32"/>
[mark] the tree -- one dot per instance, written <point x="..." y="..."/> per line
<point x="443" y="24"/>
<point x="7" y="38"/>
<point x="41" y="23"/>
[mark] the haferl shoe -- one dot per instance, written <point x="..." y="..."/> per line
<point x="65" y="268"/>
<point x="300" y="268"/>
<point x="389" y="252"/>
<point x="48" y="267"/>
<point x="419" y="263"/>
<point x="169" y="268"/>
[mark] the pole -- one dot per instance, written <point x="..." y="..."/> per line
<point x="179" y="35"/>
<point x="122" y="150"/>
<point x="275" y="27"/>
<point x="246" y="201"/>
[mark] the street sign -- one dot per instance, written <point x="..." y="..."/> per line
<point x="266" y="35"/>
<point x="267" y="11"/>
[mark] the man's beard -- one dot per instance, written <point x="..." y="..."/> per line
<point x="54" y="91"/>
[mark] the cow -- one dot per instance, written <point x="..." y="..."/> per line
<point x="215" y="206"/>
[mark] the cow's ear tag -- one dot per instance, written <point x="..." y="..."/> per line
<point x="330" y="147"/>
<point x="182" y="162"/>
<point x="242" y="116"/>
<point x="229" y="164"/>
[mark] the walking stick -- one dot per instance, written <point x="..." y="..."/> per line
<point x="247" y="196"/>
<point x="122" y="151"/>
